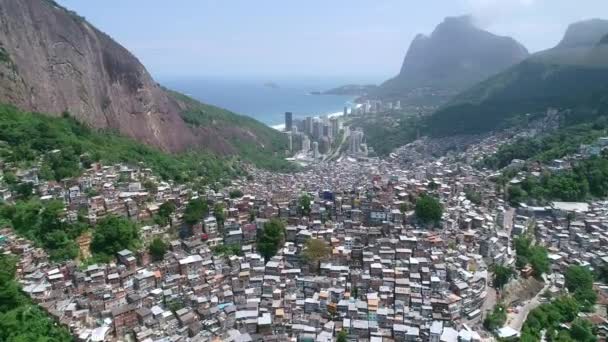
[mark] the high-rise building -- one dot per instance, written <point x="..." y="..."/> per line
<point x="335" y="126"/>
<point x="327" y="130"/>
<point x="317" y="129"/>
<point x="288" y="121"/>
<point x="356" y="138"/>
<point x="290" y="141"/>
<point x="305" y="144"/>
<point x="345" y="111"/>
<point x="315" y="149"/>
<point x="308" y="125"/>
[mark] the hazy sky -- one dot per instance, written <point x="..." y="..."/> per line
<point x="356" y="40"/>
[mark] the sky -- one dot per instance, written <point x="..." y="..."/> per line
<point x="354" y="40"/>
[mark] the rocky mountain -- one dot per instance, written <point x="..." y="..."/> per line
<point x="52" y="61"/>
<point x="572" y="75"/>
<point x="584" y="33"/>
<point x="455" y="56"/>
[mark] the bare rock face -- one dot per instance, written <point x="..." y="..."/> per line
<point x="53" y="61"/>
<point x="454" y="57"/>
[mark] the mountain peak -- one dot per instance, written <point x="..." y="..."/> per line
<point x="584" y="33"/>
<point x="456" y="55"/>
<point x="454" y="23"/>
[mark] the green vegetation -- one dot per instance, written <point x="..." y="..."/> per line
<point x="342" y="336"/>
<point x="227" y="250"/>
<point x="235" y="194"/>
<point x="428" y="209"/>
<point x="163" y="217"/>
<point x="218" y="213"/>
<point x="473" y="196"/>
<point x="579" y="282"/>
<point x="157" y="249"/>
<point x="4" y="56"/>
<point x="253" y="141"/>
<point x="113" y="234"/>
<point x="588" y="178"/>
<point x="315" y="251"/>
<point x="555" y="145"/>
<point x="502" y="275"/>
<point x="305" y="204"/>
<point x="271" y="238"/>
<point x="20" y="319"/>
<point x="496" y="319"/>
<point x="535" y="256"/>
<point x="548" y="318"/>
<point x="27" y="137"/>
<point x="388" y="131"/>
<point x="529" y="87"/>
<point x="195" y="211"/>
<point x="45" y="225"/>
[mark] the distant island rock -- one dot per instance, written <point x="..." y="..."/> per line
<point x="272" y="85"/>
<point x="349" y="90"/>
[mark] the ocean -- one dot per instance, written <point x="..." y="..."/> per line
<point x="266" y="101"/>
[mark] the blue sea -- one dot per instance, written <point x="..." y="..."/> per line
<point x="264" y="100"/>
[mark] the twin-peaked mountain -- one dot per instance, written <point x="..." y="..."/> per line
<point x="573" y="75"/>
<point x="53" y="61"/>
<point x="454" y="57"/>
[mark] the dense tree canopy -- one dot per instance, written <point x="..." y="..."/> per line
<point x="195" y="211"/>
<point x="428" y="209"/>
<point x="536" y="256"/>
<point x="45" y="224"/>
<point x="496" y="319"/>
<point x="113" y="234"/>
<point x="236" y="193"/>
<point x="502" y="275"/>
<point x="164" y="213"/>
<point x="271" y="238"/>
<point x="157" y="249"/>
<point x="305" y="203"/>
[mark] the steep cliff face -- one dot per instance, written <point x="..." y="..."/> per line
<point x="455" y="56"/>
<point x="56" y="61"/>
<point x="52" y="60"/>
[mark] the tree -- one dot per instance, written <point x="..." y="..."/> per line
<point x="165" y="211"/>
<point x="496" y="319"/>
<point x="24" y="190"/>
<point x="539" y="260"/>
<point x="113" y="234"/>
<point x="581" y="330"/>
<point x="150" y="186"/>
<point x="473" y="196"/>
<point x="305" y="203"/>
<point x="578" y="277"/>
<point x="342" y="336"/>
<point x="428" y="209"/>
<point x="315" y="251"/>
<point x="236" y="193"/>
<point x="195" y="210"/>
<point x="569" y="217"/>
<point x="218" y="213"/>
<point x="271" y="238"/>
<point x="157" y="249"/>
<point x="502" y="275"/>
